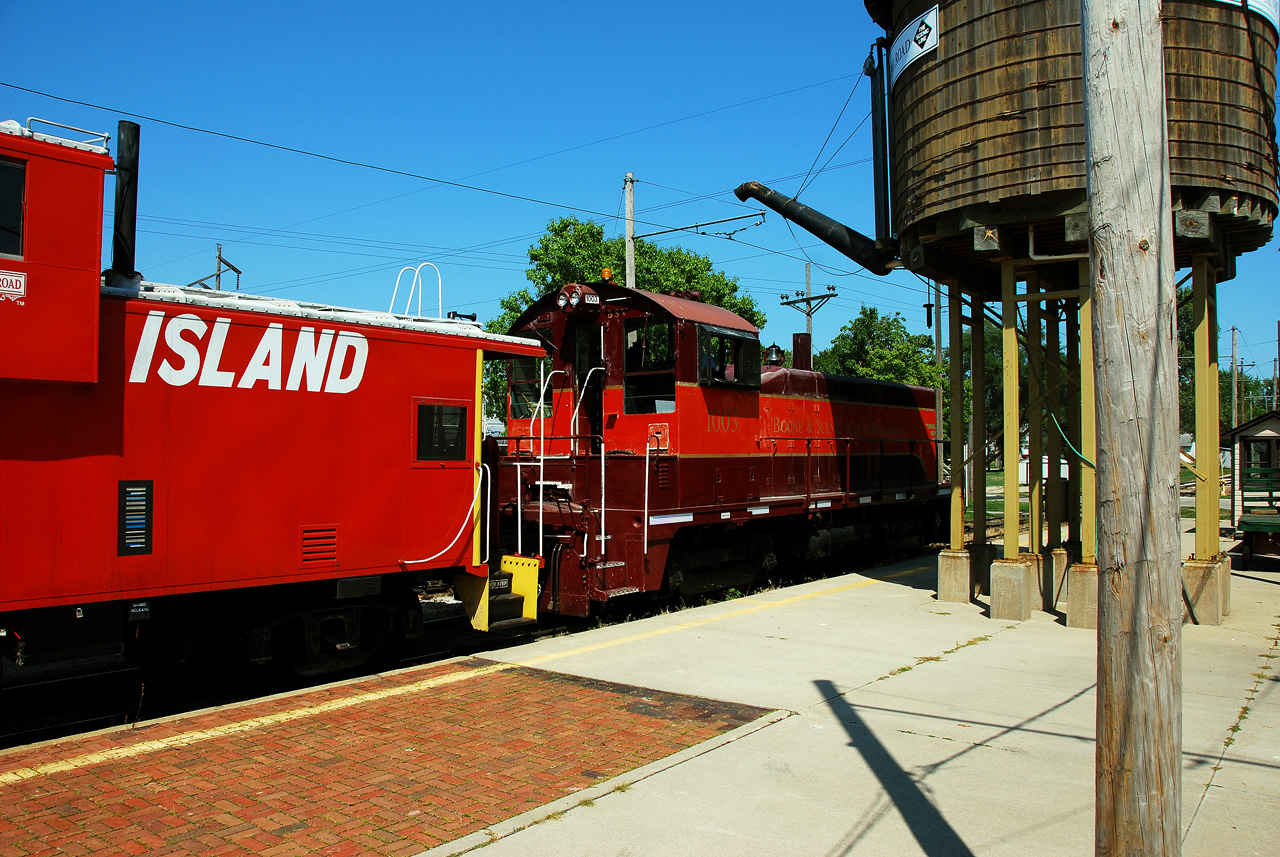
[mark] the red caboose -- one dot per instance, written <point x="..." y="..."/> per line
<point x="653" y="450"/>
<point x="195" y="469"/>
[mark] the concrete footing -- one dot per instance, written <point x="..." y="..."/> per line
<point x="1055" y="580"/>
<point x="1014" y="587"/>
<point x="954" y="578"/>
<point x="1208" y="588"/>
<point x="1082" y="595"/>
<point x="981" y="555"/>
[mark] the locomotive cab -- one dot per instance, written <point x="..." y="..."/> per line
<point x="630" y="370"/>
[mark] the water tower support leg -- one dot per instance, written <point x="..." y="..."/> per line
<point x="1012" y="444"/>
<point x="1074" y="465"/>
<point x="1053" y="444"/>
<point x="955" y="569"/>
<point x="981" y="553"/>
<point x="1204" y="290"/>
<point x="1035" y="422"/>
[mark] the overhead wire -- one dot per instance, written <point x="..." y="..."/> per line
<point x="462" y="185"/>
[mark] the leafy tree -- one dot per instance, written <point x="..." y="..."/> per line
<point x="879" y="347"/>
<point x="575" y="251"/>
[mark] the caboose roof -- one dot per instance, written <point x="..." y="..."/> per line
<point x="681" y="309"/>
<point x="494" y="343"/>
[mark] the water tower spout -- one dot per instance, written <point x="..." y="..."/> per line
<point x="850" y="242"/>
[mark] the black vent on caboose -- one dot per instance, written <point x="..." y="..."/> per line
<point x="134" y="524"/>
<point x="319" y="546"/>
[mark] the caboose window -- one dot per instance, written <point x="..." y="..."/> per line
<point x="727" y="358"/>
<point x="442" y="433"/>
<point x="649" y="359"/>
<point x="12" y="183"/>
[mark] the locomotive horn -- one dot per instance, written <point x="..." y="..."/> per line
<point x="850" y="242"/>
<point x="125" y="230"/>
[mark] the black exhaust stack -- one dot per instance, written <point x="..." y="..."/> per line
<point x="850" y="242"/>
<point x="125" y="232"/>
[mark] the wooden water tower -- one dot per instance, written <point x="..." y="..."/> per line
<point x="986" y="190"/>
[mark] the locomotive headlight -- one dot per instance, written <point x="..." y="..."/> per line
<point x="575" y="299"/>
<point x="562" y="299"/>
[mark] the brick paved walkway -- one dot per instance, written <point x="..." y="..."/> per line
<point x="391" y="765"/>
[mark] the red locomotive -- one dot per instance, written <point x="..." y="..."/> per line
<point x="655" y="450"/>
<point x="195" y="469"/>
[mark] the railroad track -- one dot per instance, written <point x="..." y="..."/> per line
<point x="47" y="703"/>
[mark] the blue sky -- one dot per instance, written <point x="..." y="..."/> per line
<point x="550" y="102"/>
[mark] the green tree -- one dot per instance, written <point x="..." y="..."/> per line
<point x="879" y="347"/>
<point x="576" y="251"/>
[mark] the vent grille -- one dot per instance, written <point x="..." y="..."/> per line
<point x="134" y="518"/>
<point x="319" y="546"/>
<point x="664" y="475"/>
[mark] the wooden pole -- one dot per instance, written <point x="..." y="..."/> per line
<point x="630" y="184"/>
<point x="1139" y="727"/>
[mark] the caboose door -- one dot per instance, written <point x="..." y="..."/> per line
<point x="588" y="380"/>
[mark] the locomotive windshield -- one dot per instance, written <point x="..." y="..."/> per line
<point x="649" y="361"/>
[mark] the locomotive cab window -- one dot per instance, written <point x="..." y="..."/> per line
<point x="727" y="358"/>
<point x="649" y="362"/>
<point x="442" y="432"/>
<point x="12" y="185"/>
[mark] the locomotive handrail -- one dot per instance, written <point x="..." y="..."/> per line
<point x="515" y="458"/>
<point x="573" y="422"/>
<point x="542" y="448"/>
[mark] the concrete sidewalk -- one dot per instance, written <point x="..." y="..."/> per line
<point x="903" y="725"/>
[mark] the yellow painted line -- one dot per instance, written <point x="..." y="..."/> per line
<point x="186" y="739"/>
<point x="695" y="623"/>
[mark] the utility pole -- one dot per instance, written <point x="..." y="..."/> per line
<point x="1139" y="709"/>
<point x="1235" y="382"/>
<point x="1275" y="374"/>
<point x="808" y="304"/>
<point x="631" y="230"/>
<point x="808" y="294"/>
